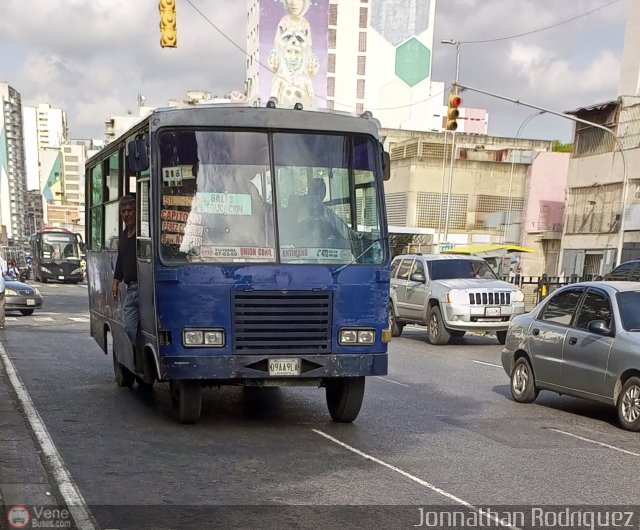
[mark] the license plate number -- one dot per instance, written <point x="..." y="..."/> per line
<point x="31" y="302"/>
<point x="284" y="366"/>
<point x="492" y="312"/>
<point x="60" y="277"/>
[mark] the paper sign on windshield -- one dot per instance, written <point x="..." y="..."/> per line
<point x="224" y="203"/>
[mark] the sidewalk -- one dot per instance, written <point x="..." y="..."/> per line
<point x="23" y="478"/>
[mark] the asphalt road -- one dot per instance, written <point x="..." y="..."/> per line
<point x="440" y="429"/>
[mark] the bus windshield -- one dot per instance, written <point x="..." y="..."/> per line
<point x="221" y="203"/>
<point x="59" y="246"/>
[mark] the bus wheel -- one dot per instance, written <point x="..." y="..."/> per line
<point x="124" y="377"/>
<point x="344" y="398"/>
<point x="186" y="397"/>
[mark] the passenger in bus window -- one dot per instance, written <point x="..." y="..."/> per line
<point x="126" y="268"/>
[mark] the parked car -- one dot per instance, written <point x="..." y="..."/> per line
<point x="582" y="341"/>
<point x="21" y="297"/>
<point x="627" y="271"/>
<point x="451" y="295"/>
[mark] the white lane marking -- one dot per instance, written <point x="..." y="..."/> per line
<point x="487" y="364"/>
<point x="81" y="319"/>
<point x="72" y="496"/>
<point x="43" y="319"/>
<point x="602" y="444"/>
<point x="424" y="483"/>
<point x="392" y="381"/>
<point x="11" y="318"/>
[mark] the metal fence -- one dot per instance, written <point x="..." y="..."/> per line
<point x="536" y="288"/>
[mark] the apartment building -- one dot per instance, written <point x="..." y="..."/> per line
<point x="13" y="182"/>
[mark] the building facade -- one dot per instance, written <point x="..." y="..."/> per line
<point x="352" y="56"/>
<point x="13" y="180"/>
<point x="602" y="220"/>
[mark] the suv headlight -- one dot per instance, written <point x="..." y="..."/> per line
<point x="517" y="296"/>
<point x="458" y="297"/>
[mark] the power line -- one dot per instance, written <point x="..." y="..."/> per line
<point x="236" y="45"/>
<point x="545" y="28"/>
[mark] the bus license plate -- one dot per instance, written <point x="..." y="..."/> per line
<point x="31" y="302"/>
<point x="284" y="366"/>
<point x="492" y="312"/>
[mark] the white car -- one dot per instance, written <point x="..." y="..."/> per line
<point x="451" y="295"/>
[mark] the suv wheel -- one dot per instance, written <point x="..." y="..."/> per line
<point x="437" y="333"/>
<point x="396" y="327"/>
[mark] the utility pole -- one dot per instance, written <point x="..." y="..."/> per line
<point x="625" y="179"/>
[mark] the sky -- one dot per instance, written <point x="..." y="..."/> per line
<point x="93" y="57"/>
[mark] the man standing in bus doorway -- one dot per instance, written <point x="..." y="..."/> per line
<point x="126" y="268"/>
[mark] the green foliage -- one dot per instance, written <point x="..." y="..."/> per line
<point x="559" y="147"/>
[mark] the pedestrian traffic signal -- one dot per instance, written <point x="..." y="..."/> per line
<point x="453" y="112"/>
<point x="168" y="30"/>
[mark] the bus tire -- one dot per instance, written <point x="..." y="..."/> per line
<point x="344" y="398"/>
<point x="124" y="377"/>
<point x="186" y="398"/>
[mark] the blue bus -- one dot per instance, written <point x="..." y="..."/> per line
<point x="262" y="252"/>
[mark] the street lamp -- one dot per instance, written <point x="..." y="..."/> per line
<point x="453" y="139"/>
<point x="513" y="163"/>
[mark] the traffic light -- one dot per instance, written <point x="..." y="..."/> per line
<point x="453" y="112"/>
<point x="168" y="30"/>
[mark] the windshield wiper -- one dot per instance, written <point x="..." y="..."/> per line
<point x="355" y="260"/>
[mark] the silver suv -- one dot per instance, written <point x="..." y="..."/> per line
<point x="450" y="294"/>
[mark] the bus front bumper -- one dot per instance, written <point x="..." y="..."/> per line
<point x="256" y="367"/>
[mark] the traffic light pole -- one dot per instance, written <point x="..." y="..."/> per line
<point x="625" y="179"/>
<point x="454" y="90"/>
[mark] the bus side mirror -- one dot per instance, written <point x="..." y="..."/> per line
<point x="138" y="159"/>
<point x="386" y="166"/>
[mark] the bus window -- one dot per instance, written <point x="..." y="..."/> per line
<point x="331" y="213"/>
<point x="96" y="230"/>
<point x="216" y="197"/>
<point x="113" y="177"/>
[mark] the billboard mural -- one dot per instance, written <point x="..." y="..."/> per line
<point x="293" y="47"/>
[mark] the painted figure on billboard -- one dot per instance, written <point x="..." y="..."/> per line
<point x="292" y="59"/>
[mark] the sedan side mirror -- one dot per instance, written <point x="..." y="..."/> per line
<point x="600" y="327"/>
<point x="418" y="277"/>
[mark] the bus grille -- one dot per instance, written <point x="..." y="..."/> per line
<point x="490" y="298"/>
<point x="282" y="322"/>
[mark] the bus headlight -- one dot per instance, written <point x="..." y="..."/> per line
<point x="214" y="338"/>
<point x="211" y="338"/>
<point x="517" y="296"/>
<point x="350" y="336"/>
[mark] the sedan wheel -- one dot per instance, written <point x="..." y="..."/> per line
<point x="629" y="405"/>
<point x="523" y="385"/>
